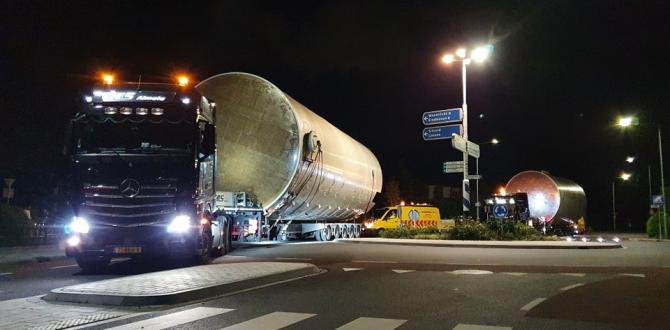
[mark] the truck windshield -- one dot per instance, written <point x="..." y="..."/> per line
<point x="379" y="213"/>
<point x="134" y="136"/>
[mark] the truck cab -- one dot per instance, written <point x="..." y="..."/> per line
<point x="141" y="175"/>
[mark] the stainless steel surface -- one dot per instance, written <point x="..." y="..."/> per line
<point x="264" y="147"/>
<point x="549" y="197"/>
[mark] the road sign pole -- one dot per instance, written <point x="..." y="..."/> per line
<point x="477" y="169"/>
<point x="660" y="155"/>
<point x="466" y="183"/>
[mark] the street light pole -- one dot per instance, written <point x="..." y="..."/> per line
<point x="466" y="182"/>
<point x="613" y="209"/>
<point x="660" y="155"/>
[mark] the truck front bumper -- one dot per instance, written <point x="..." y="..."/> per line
<point x="131" y="242"/>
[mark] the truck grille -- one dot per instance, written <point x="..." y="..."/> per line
<point x="106" y="204"/>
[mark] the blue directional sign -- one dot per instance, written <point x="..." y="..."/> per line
<point x="442" y="116"/>
<point x="442" y="132"/>
<point x="500" y="211"/>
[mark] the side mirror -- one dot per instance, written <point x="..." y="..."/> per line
<point x="208" y="144"/>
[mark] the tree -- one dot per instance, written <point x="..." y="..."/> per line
<point x="392" y="192"/>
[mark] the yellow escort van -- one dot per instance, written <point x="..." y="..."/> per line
<point x="394" y="217"/>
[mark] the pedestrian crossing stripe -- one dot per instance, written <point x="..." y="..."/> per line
<point x="173" y="319"/>
<point x="272" y="321"/>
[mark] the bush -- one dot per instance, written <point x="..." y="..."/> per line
<point x="652" y="224"/>
<point x="512" y="230"/>
<point x="13" y="221"/>
<point x="409" y="232"/>
<point x="470" y="230"/>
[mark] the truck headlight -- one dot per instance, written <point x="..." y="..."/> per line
<point x="369" y="224"/>
<point x="179" y="224"/>
<point x="79" y="225"/>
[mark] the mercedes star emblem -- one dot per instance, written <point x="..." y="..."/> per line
<point x="129" y="188"/>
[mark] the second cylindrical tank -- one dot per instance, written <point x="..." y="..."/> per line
<point x="550" y="197"/>
<point x="294" y="163"/>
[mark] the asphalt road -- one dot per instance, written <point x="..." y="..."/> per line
<point x="418" y="287"/>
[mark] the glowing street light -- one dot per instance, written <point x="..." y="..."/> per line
<point x="630" y="159"/>
<point x="495" y="141"/>
<point x="628" y="121"/>
<point x="625" y="176"/>
<point x="479" y="55"/>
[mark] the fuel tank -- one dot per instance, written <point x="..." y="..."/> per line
<point x="293" y="163"/>
<point x="550" y="197"/>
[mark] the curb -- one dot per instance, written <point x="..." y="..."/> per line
<point x="59" y="295"/>
<point x="574" y="245"/>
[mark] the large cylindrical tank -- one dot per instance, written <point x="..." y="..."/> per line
<point x="295" y="164"/>
<point x="550" y="197"/>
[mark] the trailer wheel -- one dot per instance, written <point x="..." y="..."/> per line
<point x="357" y="231"/>
<point x="228" y="237"/>
<point x="203" y="255"/>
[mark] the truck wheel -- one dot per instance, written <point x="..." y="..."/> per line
<point x="92" y="264"/>
<point x="204" y="248"/>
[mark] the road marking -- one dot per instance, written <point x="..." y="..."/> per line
<point x="471" y="272"/>
<point x="351" y="269"/>
<point x="289" y="258"/>
<point x="461" y="326"/>
<point x="66" y="266"/>
<point x="174" y="319"/>
<point x="632" y="275"/>
<point x="573" y="274"/>
<point x="272" y="321"/>
<point x="402" y="271"/>
<point x="5" y="274"/>
<point x="532" y="304"/>
<point x="364" y="323"/>
<point x="375" y="261"/>
<point x="571" y="286"/>
<point x="515" y="274"/>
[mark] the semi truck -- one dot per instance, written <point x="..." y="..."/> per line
<point x="181" y="170"/>
<point x="551" y="204"/>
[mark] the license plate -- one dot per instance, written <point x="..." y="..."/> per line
<point x="128" y="249"/>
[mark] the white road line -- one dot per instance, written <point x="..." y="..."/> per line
<point x="402" y="271"/>
<point x="289" y="258"/>
<point x="375" y="261"/>
<point x="632" y="275"/>
<point x="532" y="304"/>
<point x="351" y="269"/>
<point x="65" y="266"/>
<point x="272" y="321"/>
<point x="5" y="274"/>
<point x="364" y="323"/>
<point x="174" y="319"/>
<point x="471" y="272"/>
<point x="572" y="286"/>
<point x="573" y="274"/>
<point x="461" y="326"/>
<point x="515" y="274"/>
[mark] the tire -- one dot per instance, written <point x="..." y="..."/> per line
<point x="203" y="257"/>
<point x="93" y="264"/>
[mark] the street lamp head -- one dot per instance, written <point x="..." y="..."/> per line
<point x="625" y="121"/>
<point x="495" y="141"/>
<point x="480" y="54"/>
<point x="630" y="159"/>
<point x="624" y="176"/>
<point x="448" y="58"/>
<point x="461" y="52"/>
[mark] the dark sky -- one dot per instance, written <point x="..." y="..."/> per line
<point x="561" y="72"/>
